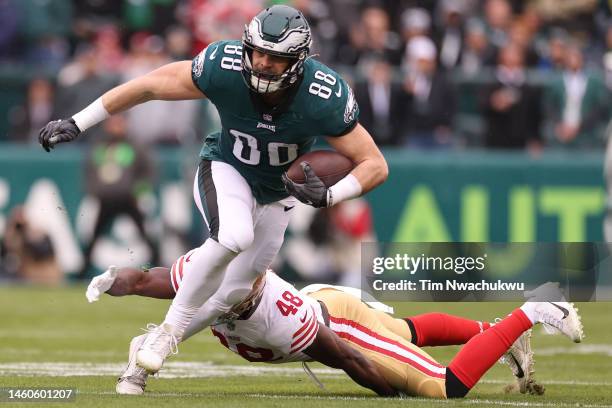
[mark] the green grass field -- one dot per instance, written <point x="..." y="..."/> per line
<point x="54" y="338"/>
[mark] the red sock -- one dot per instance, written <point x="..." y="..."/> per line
<point x="481" y="352"/>
<point x="439" y="329"/>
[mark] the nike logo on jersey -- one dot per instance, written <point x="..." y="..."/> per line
<point x="212" y="55"/>
<point x="303" y="319"/>
<point x="561" y="308"/>
<point x="188" y="257"/>
<point x="289" y="208"/>
<point x="339" y="91"/>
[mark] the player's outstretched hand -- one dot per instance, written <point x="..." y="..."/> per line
<point x="58" y="131"/>
<point x="312" y="191"/>
<point x="101" y="284"/>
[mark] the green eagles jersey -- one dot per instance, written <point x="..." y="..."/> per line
<point x="261" y="145"/>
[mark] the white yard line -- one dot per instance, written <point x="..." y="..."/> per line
<point x="171" y="369"/>
<point x="605" y="349"/>
<point x="553" y="382"/>
<point x="203" y="369"/>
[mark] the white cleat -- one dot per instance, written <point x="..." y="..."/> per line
<point x="101" y="284"/>
<point x="520" y="360"/>
<point x="563" y="316"/>
<point x="158" y="345"/>
<point x="134" y="379"/>
<point x="554" y="312"/>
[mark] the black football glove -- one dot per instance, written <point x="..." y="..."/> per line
<point x="312" y="191"/>
<point x="58" y="131"/>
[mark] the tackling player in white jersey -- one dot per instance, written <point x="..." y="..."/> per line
<point x="277" y="323"/>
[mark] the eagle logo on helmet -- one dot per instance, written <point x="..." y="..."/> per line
<point x="300" y="37"/>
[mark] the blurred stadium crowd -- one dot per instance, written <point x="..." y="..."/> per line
<point x="443" y="74"/>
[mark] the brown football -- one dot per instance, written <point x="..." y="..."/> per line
<point x="329" y="165"/>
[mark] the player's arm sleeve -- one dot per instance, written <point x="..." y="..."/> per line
<point x="331" y="350"/>
<point x="341" y="112"/>
<point x="303" y="332"/>
<point x="202" y="68"/>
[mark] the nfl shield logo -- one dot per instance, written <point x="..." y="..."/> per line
<point x="267" y="117"/>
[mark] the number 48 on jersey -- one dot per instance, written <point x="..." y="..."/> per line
<point x="292" y="305"/>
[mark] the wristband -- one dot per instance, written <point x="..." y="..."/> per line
<point x="91" y="115"/>
<point x="347" y="188"/>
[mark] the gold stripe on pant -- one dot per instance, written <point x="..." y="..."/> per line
<point x="386" y="342"/>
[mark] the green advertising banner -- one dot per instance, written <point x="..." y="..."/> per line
<point x="500" y="197"/>
<point x="429" y="196"/>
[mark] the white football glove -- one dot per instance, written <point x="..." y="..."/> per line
<point x="101" y="284"/>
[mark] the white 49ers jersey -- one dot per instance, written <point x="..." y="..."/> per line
<point x="284" y="324"/>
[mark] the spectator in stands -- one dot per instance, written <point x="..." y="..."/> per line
<point x="531" y="19"/>
<point x="105" y="10"/>
<point x="118" y="173"/>
<point x="178" y="43"/>
<point x="81" y="82"/>
<point x="372" y="36"/>
<point x="416" y="22"/>
<point x="520" y="35"/>
<point x="28" y="252"/>
<point x="146" y="52"/>
<point x="534" y="25"/>
<point x="350" y="32"/>
<point x="553" y="57"/>
<point x="108" y="50"/>
<point x="478" y="52"/>
<point x="498" y="17"/>
<point x="27" y="120"/>
<point x="159" y="122"/>
<point x="578" y="104"/>
<point x="344" y="14"/>
<point x="214" y="20"/>
<point x="351" y="225"/>
<point x="607" y="58"/>
<point x="449" y="38"/>
<point x="324" y="28"/>
<point x="427" y="104"/>
<point x="574" y="15"/>
<point x="154" y="16"/>
<point x="511" y="106"/>
<point x="45" y="26"/>
<point x="9" y="28"/>
<point x="326" y="244"/>
<point x="377" y="97"/>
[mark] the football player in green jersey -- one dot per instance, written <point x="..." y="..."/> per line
<point x="273" y="100"/>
